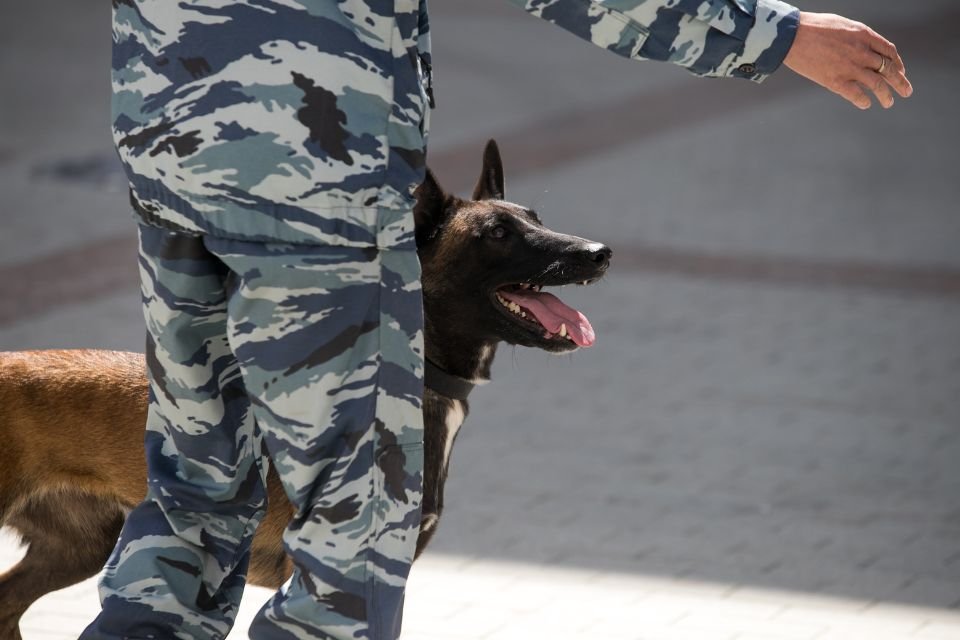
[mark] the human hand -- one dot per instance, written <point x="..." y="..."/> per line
<point x="847" y="57"/>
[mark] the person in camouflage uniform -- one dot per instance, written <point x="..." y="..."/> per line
<point x="311" y="352"/>
<point x="273" y="148"/>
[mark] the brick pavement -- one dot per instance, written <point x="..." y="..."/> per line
<point x="764" y="479"/>
<point x="461" y="598"/>
<point x="762" y="445"/>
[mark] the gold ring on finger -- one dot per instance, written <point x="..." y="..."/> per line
<point x="883" y="64"/>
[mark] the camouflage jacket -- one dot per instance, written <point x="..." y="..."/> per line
<point x="306" y="120"/>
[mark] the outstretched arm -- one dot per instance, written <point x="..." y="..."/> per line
<point x="737" y="38"/>
<point x="740" y="38"/>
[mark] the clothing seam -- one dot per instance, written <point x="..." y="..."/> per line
<point x="373" y="613"/>
<point x="343" y="207"/>
<point x="387" y="126"/>
<point x="616" y="15"/>
<point x="642" y="31"/>
<point x="149" y="219"/>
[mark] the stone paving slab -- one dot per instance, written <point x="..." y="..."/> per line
<point x="781" y="503"/>
<point x="461" y="598"/>
<point x="737" y="458"/>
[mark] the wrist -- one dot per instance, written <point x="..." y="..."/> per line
<point x="767" y="43"/>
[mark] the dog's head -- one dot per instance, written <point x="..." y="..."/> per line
<point x="485" y="262"/>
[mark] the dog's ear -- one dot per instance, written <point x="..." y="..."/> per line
<point x="490" y="184"/>
<point x="430" y="208"/>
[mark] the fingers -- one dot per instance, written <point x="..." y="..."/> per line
<point x="894" y="71"/>
<point x="898" y="80"/>
<point x="853" y="93"/>
<point x="881" y="70"/>
<point x="885" y="48"/>
<point x="895" y="76"/>
<point x="878" y="83"/>
<point x="880" y="73"/>
<point x="849" y="58"/>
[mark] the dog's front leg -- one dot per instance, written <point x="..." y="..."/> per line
<point x="442" y="418"/>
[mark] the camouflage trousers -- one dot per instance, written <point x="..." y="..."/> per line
<point x="313" y="355"/>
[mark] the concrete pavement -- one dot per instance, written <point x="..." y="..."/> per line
<point x="764" y="442"/>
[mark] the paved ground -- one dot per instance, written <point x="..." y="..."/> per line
<point x="765" y="442"/>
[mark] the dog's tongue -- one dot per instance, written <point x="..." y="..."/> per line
<point x="551" y="313"/>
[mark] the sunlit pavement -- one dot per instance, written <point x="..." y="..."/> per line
<point x="454" y="598"/>
<point x="763" y="443"/>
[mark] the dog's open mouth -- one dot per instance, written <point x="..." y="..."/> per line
<point x="546" y="314"/>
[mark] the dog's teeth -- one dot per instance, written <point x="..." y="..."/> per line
<point x="511" y="305"/>
<point x="585" y="282"/>
<point x="563" y="331"/>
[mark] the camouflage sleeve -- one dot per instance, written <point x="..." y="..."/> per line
<point x="720" y="38"/>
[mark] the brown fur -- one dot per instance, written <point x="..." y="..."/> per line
<point x="73" y="463"/>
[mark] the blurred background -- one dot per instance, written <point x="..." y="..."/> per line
<point x="771" y="415"/>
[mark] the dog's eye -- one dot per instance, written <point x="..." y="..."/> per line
<point x="498" y="232"/>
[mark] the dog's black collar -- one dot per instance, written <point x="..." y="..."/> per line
<point x="446" y="384"/>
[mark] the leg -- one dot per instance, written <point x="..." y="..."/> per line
<point x="69" y="537"/>
<point x="178" y="568"/>
<point x="329" y="340"/>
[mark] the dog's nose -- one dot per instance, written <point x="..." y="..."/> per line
<point x="599" y="254"/>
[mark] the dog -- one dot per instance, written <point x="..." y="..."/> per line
<point x="72" y="422"/>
